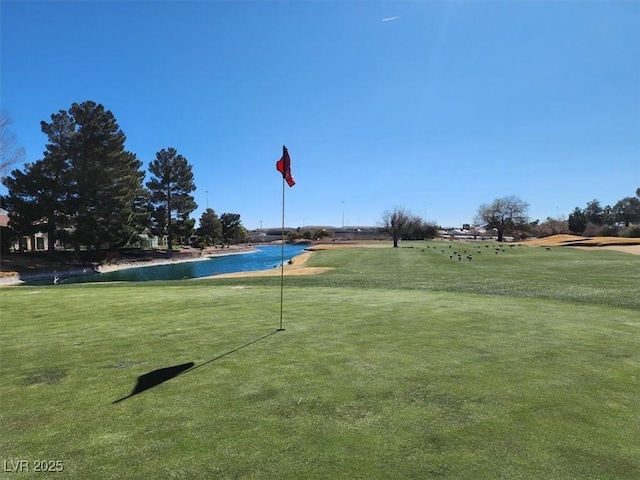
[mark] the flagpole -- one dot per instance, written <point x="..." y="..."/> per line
<point x="282" y="261"/>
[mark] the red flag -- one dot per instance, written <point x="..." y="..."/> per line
<point x="284" y="167"/>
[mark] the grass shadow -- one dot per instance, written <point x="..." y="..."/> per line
<point x="161" y="375"/>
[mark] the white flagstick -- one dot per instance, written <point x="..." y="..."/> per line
<point x="282" y="261"/>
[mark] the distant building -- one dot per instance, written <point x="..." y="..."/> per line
<point x="468" y="234"/>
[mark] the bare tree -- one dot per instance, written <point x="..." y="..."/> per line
<point x="394" y="222"/>
<point x="10" y="152"/>
<point x="505" y="214"/>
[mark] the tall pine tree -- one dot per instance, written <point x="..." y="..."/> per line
<point x="170" y="185"/>
<point x="210" y="227"/>
<point x="23" y="201"/>
<point x="55" y="173"/>
<point x="106" y="180"/>
<point x="37" y="197"/>
<point x="232" y="229"/>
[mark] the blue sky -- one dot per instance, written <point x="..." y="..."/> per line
<point x="447" y="106"/>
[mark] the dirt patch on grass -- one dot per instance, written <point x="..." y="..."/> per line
<point x="48" y="376"/>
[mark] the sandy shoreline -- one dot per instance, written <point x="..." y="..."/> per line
<point x="296" y="266"/>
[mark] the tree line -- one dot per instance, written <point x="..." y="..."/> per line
<point x="509" y="216"/>
<point x="404" y="225"/>
<point x="89" y="191"/>
<point x="594" y="219"/>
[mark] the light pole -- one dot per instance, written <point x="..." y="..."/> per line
<point x="343" y="214"/>
<point x="207" y="192"/>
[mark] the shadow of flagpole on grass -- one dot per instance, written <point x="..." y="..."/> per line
<point x="156" y="377"/>
<point x="161" y="375"/>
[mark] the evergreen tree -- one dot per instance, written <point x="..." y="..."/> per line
<point x="170" y="186"/>
<point x="594" y="212"/>
<point x="37" y="197"/>
<point x="122" y="221"/>
<point x="578" y="221"/>
<point x="106" y="179"/>
<point x="55" y="173"/>
<point x="22" y="201"/>
<point x="184" y="226"/>
<point x="627" y="211"/>
<point x="232" y="229"/>
<point x="210" y="227"/>
<point x="141" y="213"/>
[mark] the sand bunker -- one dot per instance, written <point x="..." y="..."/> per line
<point x="627" y="245"/>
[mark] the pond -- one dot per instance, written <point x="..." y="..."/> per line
<point x="263" y="258"/>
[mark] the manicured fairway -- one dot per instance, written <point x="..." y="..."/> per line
<point x="399" y="363"/>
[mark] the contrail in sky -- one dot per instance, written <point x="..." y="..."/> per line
<point x="389" y="19"/>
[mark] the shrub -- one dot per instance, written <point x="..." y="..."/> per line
<point x="592" y="230"/>
<point x="609" y="231"/>
<point x="292" y="235"/>
<point x="632" y="231"/>
<point x="201" y="243"/>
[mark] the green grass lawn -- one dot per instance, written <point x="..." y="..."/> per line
<point x="400" y="363"/>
